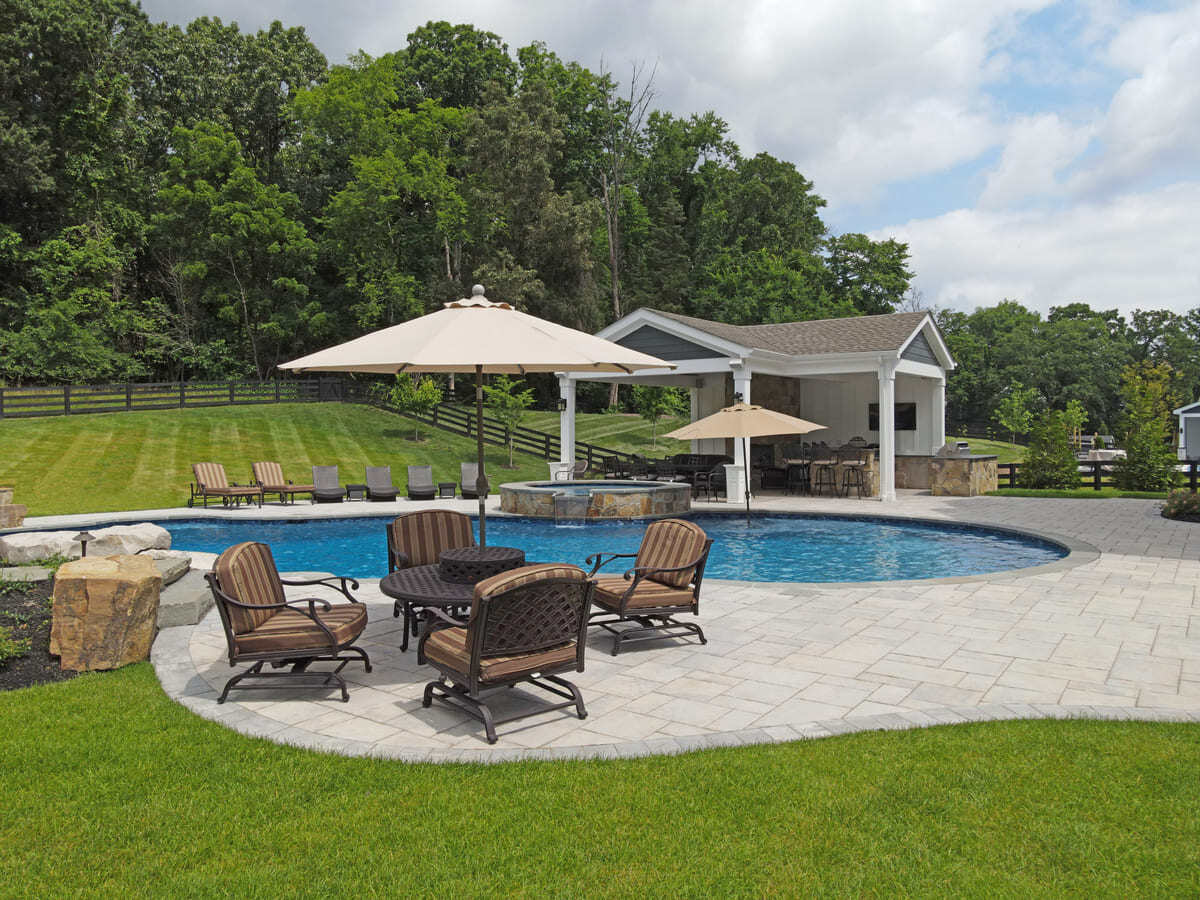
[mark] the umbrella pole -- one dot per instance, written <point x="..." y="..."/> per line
<point x="746" y="473"/>
<point x="480" y="479"/>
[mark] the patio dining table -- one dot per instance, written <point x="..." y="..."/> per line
<point x="448" y="584"/>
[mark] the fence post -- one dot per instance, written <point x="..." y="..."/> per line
<point x="1012" y="475"/>
<point x="128" y="396"/>
<point x="231" y="393"/>
<point x="1097" y="475"/>
<point x="181" y="394"/>
<point x="67" y="399"/>
<point x="2" y="404"/>
<point x="276" y="389"/>
<point x="1191" y="462"/>
<point x="546" y="441"/>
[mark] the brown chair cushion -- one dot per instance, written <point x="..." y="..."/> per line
<point x="609" y="592"/>
<point x="210" y="476"/>
<point x="270" y="476"/>
<point x="449" y="647"/>
<point x="247" y="573"/>
<point x="422" y="536"/>
<point x="292" y="630"/>
<point x="670" y="543"/>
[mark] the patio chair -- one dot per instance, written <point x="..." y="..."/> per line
<point x="262" y="625"/>
<point x="211" y="482"/>
<point x="663" y="583"/>
<point x="526" y="625"/>
<point x="326" y="486"/>
<point x="420" y="483"/>
<point x="468" y="481"/>
<point x="418" y="539"/>
<point x="379" y="483"/>
<point x="711" y="483"/>
<point x="580" y="470"/>
<point x="269" y="477"/>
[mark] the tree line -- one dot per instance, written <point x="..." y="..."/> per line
<point x="201" y="202"/>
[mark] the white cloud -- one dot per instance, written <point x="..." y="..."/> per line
<point x="1133" y="250"/>
<point x="1037" y="149"/>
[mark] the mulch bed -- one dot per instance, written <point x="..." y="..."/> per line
<point x="25" y="612"/>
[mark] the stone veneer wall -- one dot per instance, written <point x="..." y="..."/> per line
<point x="656" y="501"/>
<point x="962" y="476"/>
<point x="912" y="472"/>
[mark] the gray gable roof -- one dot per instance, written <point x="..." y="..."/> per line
<point x="857" y="334"/>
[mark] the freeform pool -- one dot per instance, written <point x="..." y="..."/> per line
<point x="797" y="548"/>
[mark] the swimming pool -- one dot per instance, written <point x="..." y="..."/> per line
<point x="769" y="548"/>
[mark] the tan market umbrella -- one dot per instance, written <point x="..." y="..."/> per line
<point x="477" y="335"/>
<point x="743" y="420"/>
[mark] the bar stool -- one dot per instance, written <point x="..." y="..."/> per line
<point x="824" y="471"/>
<point x="798" y="478"/>
<point x="853" y="464"/>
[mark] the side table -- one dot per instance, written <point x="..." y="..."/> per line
<point x="356" y="492"/>
<point x="446" y="489"/>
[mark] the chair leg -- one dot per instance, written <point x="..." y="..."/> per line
<point x="232" y="682"/>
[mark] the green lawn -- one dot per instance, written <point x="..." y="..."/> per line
<point x="1007" y="452"/>
<point x="617" y="431"/>
<point x="142" y="460"/>
<point x="112" y="789"/>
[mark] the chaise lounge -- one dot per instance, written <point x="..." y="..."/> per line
<point x="663" y="583"/>
<point x="469" y="481"/>
<point x="526" y="625"/>
<point x="262" y="626"/>
<point x="379" y="483"/>
<point x="211" y="482"/>
<point x="326" y="486"/>
<point x="420" y="483"/>
<point x="269" y="477"/>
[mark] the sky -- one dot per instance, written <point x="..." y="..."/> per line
<point x="1040" y="152"/>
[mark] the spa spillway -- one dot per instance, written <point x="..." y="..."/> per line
<point x="595" y="499"/>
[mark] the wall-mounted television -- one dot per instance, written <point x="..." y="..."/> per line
<point x="906" y="417"/>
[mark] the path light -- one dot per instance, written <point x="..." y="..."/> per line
<point x="83" y="537"/>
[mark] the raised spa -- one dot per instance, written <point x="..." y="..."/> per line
<point x="595" y="499"/>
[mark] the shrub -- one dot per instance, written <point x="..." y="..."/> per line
<point x="11" y="647"/>
<point x="1150" y="462"/>
<point x="1050" y="462"/>
<point x="1182" y="505"/>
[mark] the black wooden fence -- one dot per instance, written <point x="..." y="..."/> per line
<point x="1097" y="474"/>
<point x="28" y="402"/>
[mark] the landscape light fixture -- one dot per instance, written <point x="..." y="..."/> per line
<point x="562" y="404"/>
<point x="83" y="537"/>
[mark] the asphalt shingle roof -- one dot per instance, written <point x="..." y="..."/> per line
<point x="858" y="334"/>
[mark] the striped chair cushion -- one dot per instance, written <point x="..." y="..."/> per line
<point x="424" y="535"/>
<point x="270" y="476"/>
<point x="449" y="647"/>
<point x="210" y="475"/>
<point x="292" y="630"/>
<point x="609" y="592"/>
<point x="670" y="543"/>
<point x="247" y="573"/>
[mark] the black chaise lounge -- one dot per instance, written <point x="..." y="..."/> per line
<point x="420" y="483"/>
<point x="379" y="483"/>
<point x="526" y="625"/>
<point x="469" y="480"/>
<point x="262" y="626"/>
<point x="663" y="583"/>
<point x="326" y="486"/>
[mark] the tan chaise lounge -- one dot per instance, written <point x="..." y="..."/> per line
<point x="261" y="625"/>
<point x="526" y="625"/>
<point x="663" y="583"/>
<point x="211" y="482"/>
<point x="269" y="477"/>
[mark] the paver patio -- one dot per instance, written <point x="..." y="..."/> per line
<point x="1109" y="632"/>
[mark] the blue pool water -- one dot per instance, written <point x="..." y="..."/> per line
<point x="770" y="548"/>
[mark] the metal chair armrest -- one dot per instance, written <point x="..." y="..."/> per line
<point x="328" y="582"/>
<point x="603" y="559"/>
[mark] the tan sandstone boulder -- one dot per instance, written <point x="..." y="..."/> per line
<point x="104" y="611"/>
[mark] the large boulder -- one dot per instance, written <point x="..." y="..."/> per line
<point x="30" y="546"/>
<point x="105" y="609"/>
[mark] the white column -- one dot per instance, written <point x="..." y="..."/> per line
<point x="938" y="437"/>
<point x="566" y="420"/>
<point x="736" y="491"/>
<point x="887" y="430"/>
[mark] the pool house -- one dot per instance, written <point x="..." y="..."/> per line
<point x="879" y="378"/>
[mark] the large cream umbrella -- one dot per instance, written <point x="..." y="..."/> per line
<point x="743" y="420"/>
<point x="477" y="335"/>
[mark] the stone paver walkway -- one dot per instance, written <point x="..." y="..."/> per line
<point x="1112" y="631"/>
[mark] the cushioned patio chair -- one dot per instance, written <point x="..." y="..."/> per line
<point x="326" y="486"/>
<point x="420" y="483"/>
<point x="269" y="477"/>
<point x="711" y="483"/>
<point x="663" y="583"/>
<point x="262" y="626"/>
<point x="468" y="481"/>
<point x="379" y="483"/>
<point x="211" y="482"/>
<point x="526" y="625"/>
<point x="418" y="539"/>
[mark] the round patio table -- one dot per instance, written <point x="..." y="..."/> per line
<point x="422" y="587"/>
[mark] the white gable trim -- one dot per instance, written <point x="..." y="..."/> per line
<point x="626" y="325"/>
<point x="934" y="336"/>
